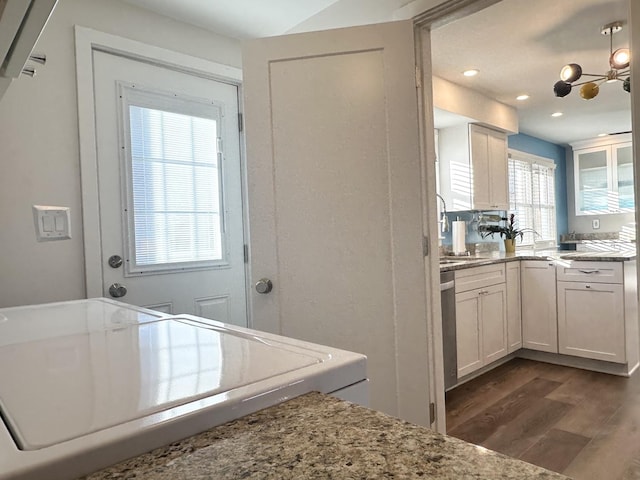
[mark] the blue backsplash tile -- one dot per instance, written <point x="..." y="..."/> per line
<point x="473" y="218"/>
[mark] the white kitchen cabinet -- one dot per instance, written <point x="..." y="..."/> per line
<point x="585" y="271"/>
<point x="591" y="320"/>
<point x="539" y="314"/>
<point x="493" y="316"/>
<point x="591" y="310"/>
<point x="468" y="332"/>
<point x="514" y="310"/>
<point x="473" y="168"/>
<point x="603" y="175"/>
<point x="481" y="318"/>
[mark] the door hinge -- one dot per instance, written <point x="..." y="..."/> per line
<point x="425" y="246"/>
<point x="432" y="413"/>
<point x="418" y="77"/>
<point x="240" y="122"/>
<point x="246" y="253"/>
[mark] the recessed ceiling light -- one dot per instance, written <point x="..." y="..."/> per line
<point x="603" y="134"/>
<point x="556" y="114"/>
<point x="471" y="73"/>
<point x="522" y="97"/>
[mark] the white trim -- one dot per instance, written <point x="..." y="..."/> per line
<point x="535" y="159"/>
<point x="601" y="141"/>
<point x="429" y="176"/>
<point x="146" y="97"/>
<point x="423" y="24"/>
<point x="86" y="41"/>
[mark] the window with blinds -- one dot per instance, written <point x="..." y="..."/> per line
<point x="532" y="197"/>
<point x="174" y="215"/>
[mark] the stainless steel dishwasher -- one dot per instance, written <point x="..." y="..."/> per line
<point x="449" y="350"/>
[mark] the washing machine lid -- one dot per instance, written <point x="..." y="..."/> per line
<point x="95" y="365"/>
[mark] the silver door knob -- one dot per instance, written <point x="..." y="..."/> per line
<point x="264" y="286"/>
<point x="116" y="290"/>
<point x="115" y="261"/>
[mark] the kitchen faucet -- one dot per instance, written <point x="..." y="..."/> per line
<point x="444" y="220"/>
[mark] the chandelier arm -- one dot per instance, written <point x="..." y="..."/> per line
<point x="588" y="81"/>
<point x="591" y="75"/>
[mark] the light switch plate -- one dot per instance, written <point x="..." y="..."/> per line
<point x="52" y="223"/>
<point x="595" y="223"/>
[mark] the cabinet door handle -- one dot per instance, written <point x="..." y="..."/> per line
<point x="589" y="272"/>
<point x="587" y="286"/>
<point x="483" y="292"/>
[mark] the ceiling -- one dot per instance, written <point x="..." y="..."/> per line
<point x="519" y="47"/>
<point x="238" y="18"/>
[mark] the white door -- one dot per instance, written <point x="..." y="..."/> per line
<point x="335" y="201"/>
<point x="169" y="181"/>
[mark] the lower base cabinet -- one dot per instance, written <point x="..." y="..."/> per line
<point x="539" y="313"/>
<point x="591" y="320"/>
<point x="493" y="312"/>
<point x="468" y="332"/>
<point x="481" y="327"/>
<point x="514" y="311"/>
<point x="583" y="308"/>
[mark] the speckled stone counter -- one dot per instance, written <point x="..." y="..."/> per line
<point x="459" y="263"/>
<point x="319" y="437"/>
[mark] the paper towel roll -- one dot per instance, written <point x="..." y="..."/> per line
<point x="458" y="236"/>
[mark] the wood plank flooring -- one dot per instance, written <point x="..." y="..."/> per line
<point x="583" y="424"/>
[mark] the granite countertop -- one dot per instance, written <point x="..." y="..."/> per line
<point x="458" y="263"/>
<point x="317" y="436"/>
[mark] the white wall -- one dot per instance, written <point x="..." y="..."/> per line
<point x="39" y="143"/>
<point x="469" y="103"/>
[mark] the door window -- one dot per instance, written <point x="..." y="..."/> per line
<point x="173" y="153"/>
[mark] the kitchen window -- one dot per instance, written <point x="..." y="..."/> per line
<point x="532" y="197"/>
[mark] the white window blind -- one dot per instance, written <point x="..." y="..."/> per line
<point x="175" y="190"/>
<point x="532" y="197"/>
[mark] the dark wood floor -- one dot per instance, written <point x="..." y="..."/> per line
<point x="583" y="424"/>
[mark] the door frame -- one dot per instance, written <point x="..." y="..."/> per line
<point x="445" y="12"/>
<point x="87" y="41"/>
<point x="441" y="14"/>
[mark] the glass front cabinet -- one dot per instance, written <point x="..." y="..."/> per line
<point x="603" y="176"/>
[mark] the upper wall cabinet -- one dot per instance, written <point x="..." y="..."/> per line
<point x="473" y="168"/>
<point x="603" y="176"/>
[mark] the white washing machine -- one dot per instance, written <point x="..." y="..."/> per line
<point x="88" y="383"/>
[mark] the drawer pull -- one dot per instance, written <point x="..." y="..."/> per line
<point x="589" y="272"/>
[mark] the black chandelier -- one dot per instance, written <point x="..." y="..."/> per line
<point x="618" y="61"/>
